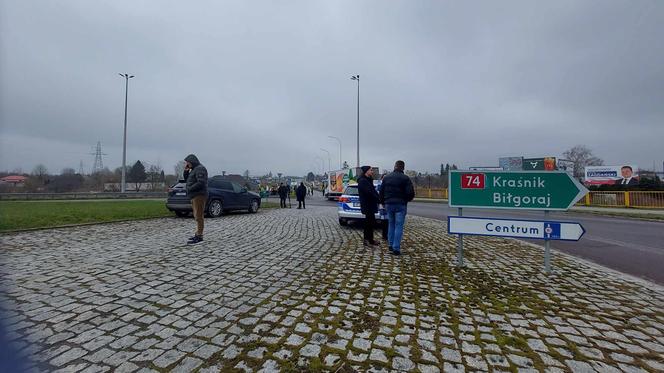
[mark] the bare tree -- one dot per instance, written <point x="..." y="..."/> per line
<point x="582" y="156"/>
<point x="179" y="169"/>
<point x="40" y="171"/>
<point x="154" y="176"/>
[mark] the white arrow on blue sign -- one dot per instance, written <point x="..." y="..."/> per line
<point x="543" y="230"/>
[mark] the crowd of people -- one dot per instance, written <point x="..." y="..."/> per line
<point x="301" y="192"/>
<point x="396" y="191"/>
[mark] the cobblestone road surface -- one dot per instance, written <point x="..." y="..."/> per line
<point x="291" y="290"/>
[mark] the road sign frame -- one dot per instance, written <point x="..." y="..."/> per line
<point x="581" y="190"/>
<point x="450" y="217"/>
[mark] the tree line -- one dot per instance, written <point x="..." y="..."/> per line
<point x="40" y="180"/>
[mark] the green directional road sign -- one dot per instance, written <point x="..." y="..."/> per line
<point x="532" y="190"/>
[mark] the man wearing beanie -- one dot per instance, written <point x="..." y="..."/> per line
<point x="368" y="203"/>
<point x="198" y="193"/>
<point x="395" y="193"/>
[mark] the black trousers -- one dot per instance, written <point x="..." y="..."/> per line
<point x="282" y="202"/>
<point x="300" y="204"/>
<point x="385" y="225"/>
<point x="369" y="222"/>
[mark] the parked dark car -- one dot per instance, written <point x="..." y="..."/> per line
<point x="223" y="196"/>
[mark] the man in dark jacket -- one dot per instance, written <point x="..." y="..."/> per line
<point x="301" y="194"/>
<point x="368" y="203"/>
<point x="283" y="192"/>
<point x="395" y="193"/>
<point x="198" y="194"/>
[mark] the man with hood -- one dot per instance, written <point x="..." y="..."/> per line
<point x="198" y="194"/>
<point x="368" y="203"/>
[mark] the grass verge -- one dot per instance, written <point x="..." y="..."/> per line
<point x="18" y="215"/>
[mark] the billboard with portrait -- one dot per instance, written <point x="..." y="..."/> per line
<point x="625" y="174"/>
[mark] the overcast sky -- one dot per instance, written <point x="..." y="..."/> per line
<point x="261" y="85"/>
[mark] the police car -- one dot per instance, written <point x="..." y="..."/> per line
<point x="349" y="205"/>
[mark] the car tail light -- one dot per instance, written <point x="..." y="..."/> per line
<point x="344" y="199"/>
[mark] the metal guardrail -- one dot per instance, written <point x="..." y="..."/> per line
<point x="435" y="193"/>
<point x="81" y="195"/>
<point x="636" y="199"/>
<point x="640" y="199"/>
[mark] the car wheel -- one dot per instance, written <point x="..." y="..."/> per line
<point x="343" y="222"/>
<point x="216" y="208"/>
<point x="253" y="208"/>
<point x="182" y="214"/>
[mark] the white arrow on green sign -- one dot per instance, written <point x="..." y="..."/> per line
<point x="531" y="190"/>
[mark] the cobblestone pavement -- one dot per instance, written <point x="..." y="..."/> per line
<point x="289" y="290"/>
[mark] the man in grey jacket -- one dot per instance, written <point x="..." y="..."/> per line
<point x="395" y="192"/>
<point x="198" y="194"/>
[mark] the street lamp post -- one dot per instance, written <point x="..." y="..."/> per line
<point x="339" y="141"/>
<point x="124" y="138"/>
<point x="328" y="158"/>
<point x="322" y="163"/>
<point x="357" y="77"/>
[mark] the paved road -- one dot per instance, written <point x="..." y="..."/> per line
<point x="291" y="290"/>
<point x="627" y="245"/>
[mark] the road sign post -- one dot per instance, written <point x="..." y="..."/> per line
<point x="460" y="244"/>
<point x="547" y="247"/>
<point x="518" y="190"/>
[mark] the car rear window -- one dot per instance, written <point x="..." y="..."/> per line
<point x="351" y="191"/>
<point x="220" y="184"/>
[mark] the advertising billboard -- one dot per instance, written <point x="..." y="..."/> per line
<point x="511" y="163"/>
<point x="625" y="174"/>
<point x="539" y="164"/>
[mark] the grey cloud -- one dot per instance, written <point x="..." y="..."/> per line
<point x="260" y="85"/>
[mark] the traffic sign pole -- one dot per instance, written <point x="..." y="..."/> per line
<point x="460" y="245"/>
<point x="547" y="248"/>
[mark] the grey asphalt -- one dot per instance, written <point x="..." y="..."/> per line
<point x="627" y="245"/>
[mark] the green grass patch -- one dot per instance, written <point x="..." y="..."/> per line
<point x="17" y="215"/>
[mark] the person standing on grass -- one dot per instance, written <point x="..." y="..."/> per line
<point x="301" y="194"/>
<point x="395" y="193"/>
<point x="368" y="203"/>
<point x="198" y="194"/>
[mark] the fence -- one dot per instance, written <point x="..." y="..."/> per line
<point x="624" y="199"/>
<point x="603" y="199"/>
<point x="82" y="195"/>
<point x="435" y="193"/>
